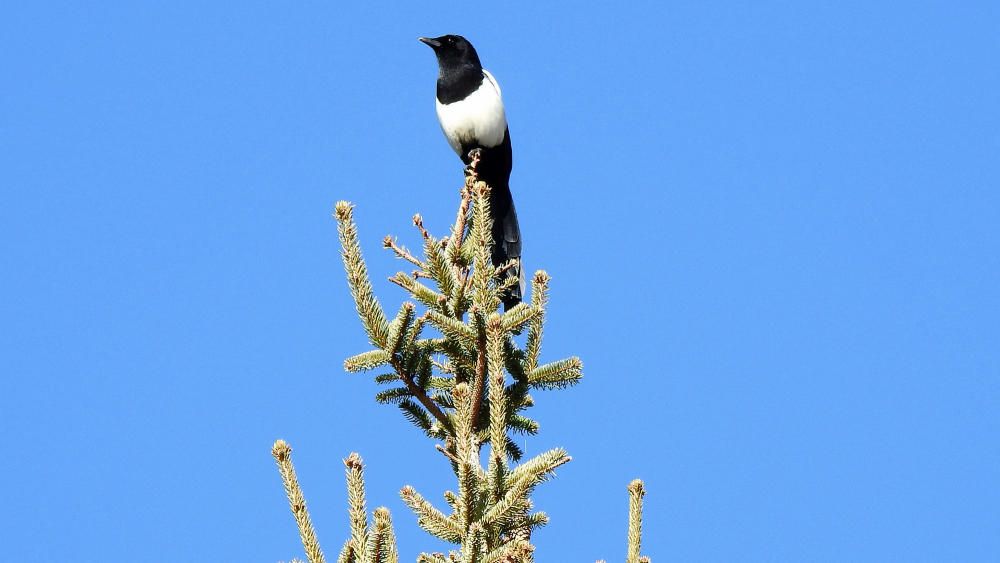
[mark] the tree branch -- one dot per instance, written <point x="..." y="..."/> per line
<point x="417" y="392"/>
<point x="401" y="252"/>
<point x="477" y="397"/>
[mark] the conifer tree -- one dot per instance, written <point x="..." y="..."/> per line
<point x="455" y="372"/>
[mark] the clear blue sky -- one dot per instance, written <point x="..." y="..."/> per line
<point x="773" y="227"/>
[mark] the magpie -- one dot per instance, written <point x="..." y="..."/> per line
<point x="470" y="111"/>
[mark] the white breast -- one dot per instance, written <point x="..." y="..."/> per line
<point x="478" y="119"/>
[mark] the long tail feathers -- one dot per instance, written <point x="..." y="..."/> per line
<point x="507" y="247"/>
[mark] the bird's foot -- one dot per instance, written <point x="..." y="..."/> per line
<point x="475" y="155"/>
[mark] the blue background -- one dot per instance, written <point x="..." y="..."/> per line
<point x="772" y="227"/>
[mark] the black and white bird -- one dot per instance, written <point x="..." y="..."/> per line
<point x="470" y="110"/>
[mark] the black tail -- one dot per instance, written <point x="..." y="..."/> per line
<point x="507" y="242"/>
<point x="494" y="168"/>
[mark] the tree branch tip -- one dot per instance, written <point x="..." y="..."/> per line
<point x="343" y="209"/>
<point x="494" y="322"/>
<point x="353" y="461"/>
<point x="281" y="450"/>
<point x="446" y="453"/>
<point x="418" y="222"/>
<point x="399" y="279"/>
<point x="637" y="487"/>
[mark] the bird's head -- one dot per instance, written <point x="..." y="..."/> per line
<point x="453" y="51"/>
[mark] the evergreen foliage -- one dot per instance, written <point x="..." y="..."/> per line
<point x="455" y="372"/>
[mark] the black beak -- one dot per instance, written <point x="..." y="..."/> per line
<point x="432" y="43"/>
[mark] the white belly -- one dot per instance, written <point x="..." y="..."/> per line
<point x="477" y="120"/>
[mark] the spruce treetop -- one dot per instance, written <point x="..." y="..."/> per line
<point x="451" y="363"/>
